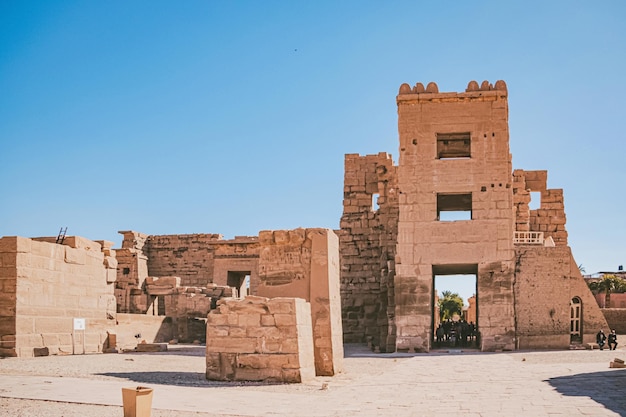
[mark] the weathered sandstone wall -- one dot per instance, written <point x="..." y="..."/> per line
<point x="369" y="229"/>
<point x="304" y="263"/>
<point x="546" y="281"/>
<point x="48" y="286"/>
<point x="433" y="178"/>
<point x="258" y="339"/>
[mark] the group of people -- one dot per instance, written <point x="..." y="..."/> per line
<point x="456" y="333"/>
<point x="601" y="340"/>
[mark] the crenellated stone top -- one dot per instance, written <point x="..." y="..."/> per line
<point x="432" y="87"/>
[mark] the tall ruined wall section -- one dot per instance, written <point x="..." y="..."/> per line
<point x="132" y="271"/>
<point x="304" y="263"/>
<point x="549" y="218"/>
<point x="367" y="246"/>
<point x="47" y="286"/>
<point x="200" y="259"/>
<point x="189" y="257"/>
<point x="454" y="154"/>
<point x="546" y="281"/>
<point x="8" y="296"/>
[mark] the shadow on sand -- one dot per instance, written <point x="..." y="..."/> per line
<point x="359" y="350"/>
<point x="606" y="388"/>
<point x="182" y="379"/>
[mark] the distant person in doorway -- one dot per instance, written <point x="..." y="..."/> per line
<point x="439" y="333"/>
<point x="472" y="331"/>
<point x="612" y="340"/>
<point x="601" y="339"/>
<point x="447" y="327"/>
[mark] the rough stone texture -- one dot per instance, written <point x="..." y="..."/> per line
<point x="197" y="260"/>
<point x="454" y="156"/>
<point x="305" y="263"/>
<point x="550" y="217"/>
<point x="45" y="286"/>
<point x="369" y="229"/>
<point x="183" y="273"/>
<point x="182" y="277"/>
<point x="485" y="243"/>
<point x="546" y="280"/>
<point x="200" y="259"/>
<point x="258" y="339"/>
<point x="185" y="307"/>
<point x="132" y="271"/>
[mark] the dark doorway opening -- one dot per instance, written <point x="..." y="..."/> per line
<point x="455" y="307"/>
<point x="240" y="281"/>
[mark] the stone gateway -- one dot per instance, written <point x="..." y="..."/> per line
<point x="397" y="233"/>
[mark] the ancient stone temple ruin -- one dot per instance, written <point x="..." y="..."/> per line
<point x="453" y="205"/>
<point x="397" y="234"/>
<point x="180" y="288"/>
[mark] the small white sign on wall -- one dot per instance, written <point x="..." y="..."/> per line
<point x="79" y="324"/>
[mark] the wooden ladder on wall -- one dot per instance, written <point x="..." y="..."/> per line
<point x="61" y="236"/>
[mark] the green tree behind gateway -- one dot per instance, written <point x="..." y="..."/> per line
<point x="449" y="304"/>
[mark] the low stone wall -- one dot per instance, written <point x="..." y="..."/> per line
<point x="152" y="329"/>
<point x="260" y="339"/>
<point x="616" y="318"/>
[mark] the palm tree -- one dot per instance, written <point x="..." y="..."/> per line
<point x="607" y="284"/>
<point x="449" y="304"/>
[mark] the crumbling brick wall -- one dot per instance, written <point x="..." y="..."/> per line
<point x="546" y="281"/>
<point x="369" y="229"/>
<point x="189" y="257"/>
<point x="197" y="259"/>
<point x="48" y="285"/>
<point x="132" y="271"/>
<point x="550" y="217"/>
<point x="260" y="339"/>
<point x="186" y="307"/>
<point x="294" y="263"/>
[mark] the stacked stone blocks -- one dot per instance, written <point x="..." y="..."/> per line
<point x="260" y="339"/>
<point x="550" y="217"/>
<point x="304" y="263"/>
<point x="48" y="285"/>
<point x="483" y="244"/>
<point x="368" y="237"/>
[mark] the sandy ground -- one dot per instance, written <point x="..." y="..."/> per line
<point x="440" y="383"/>
<point x="180" y="366"/>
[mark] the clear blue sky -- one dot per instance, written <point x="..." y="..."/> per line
<point x="234" y="116"/>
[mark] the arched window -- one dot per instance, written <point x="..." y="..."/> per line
<point x="575" y="329"/>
